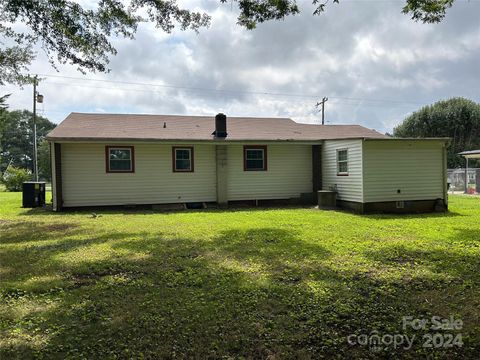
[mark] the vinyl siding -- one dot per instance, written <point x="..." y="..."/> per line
<point x="413" y="167"/>
<point x="289" y="173"/>
<point x="86" y="183"/>
<point x="350" y="188"/>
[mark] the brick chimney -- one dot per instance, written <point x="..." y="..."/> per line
<point x="220" y="126"/>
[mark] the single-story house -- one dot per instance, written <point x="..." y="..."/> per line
<point x="115" y="159"/>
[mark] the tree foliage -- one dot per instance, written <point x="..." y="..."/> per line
<point x="3" y="103"/>
<point x="44" y="161"/>
<point x="14" y="177"/>
<point x="457" y="118"/>
<point x="253" y="12"/>
<point x="71" y="33"/>
<point x="14" y="63"/>
<point x="16" y="141"/>
<point x="427" y="11"/>
<point x="68" y="32"/>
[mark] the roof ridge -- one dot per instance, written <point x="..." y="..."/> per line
<point x="179" y="115"/>
<point x="106" y="126"/>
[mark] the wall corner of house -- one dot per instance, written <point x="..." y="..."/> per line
<point x="445" y="175"/>
<point x="51" y="146"/>
<point x="57" y="191"/>
<point x="362" y="150"/>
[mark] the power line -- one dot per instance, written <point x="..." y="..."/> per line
<point x="180" y="87"/>
<point x="335" y="100"/>
<point x="190" y="88"/>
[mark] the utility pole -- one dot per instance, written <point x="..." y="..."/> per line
<point x="35" y="162"/>
<point x="324" y="100"/>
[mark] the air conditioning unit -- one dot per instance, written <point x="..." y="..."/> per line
<point x="33" y="194"/>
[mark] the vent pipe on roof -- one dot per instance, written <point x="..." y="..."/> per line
<point x="220" y="126"/>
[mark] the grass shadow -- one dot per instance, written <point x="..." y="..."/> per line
<point x="254" y="292"/>
<point x="457" y="261"/>
<point x="12" y="232"/>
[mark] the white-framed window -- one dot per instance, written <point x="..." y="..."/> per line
<point x="119" y="159"/>
<point x="182" y="159"/>
<point x="342" y="162"/>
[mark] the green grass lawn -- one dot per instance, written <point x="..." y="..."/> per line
<point x="257" y="283"/>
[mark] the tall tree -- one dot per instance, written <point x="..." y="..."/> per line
<point x="457" y="118"/>
<point x="71" y="33"/>
<point x="44" y="161"/>
<point x="16" y="136"/>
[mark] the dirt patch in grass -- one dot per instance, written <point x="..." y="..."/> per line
<point x="26" y="231"/>
<point x="5" y="222"/>
<point x="59" y="227"/>
<point x="86" y="279"/>
<point x="401" y="260"/>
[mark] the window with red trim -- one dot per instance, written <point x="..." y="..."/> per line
<point x="119" y="159"/>
<point x="254" y="158"/>
<point x="342" y="162"/>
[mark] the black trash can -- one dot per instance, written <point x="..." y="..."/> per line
<point x="33" y="194"/>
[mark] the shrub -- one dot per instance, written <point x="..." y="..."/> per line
<point x="13" y="178"/>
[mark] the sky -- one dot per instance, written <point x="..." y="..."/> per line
<point x="375" y="65"/>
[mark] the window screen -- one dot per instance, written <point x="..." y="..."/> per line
<point x="182" y="160"/>
<point x="255" y="158"/>
<point x="120" y="159"/>
<point x="342" y="162"/>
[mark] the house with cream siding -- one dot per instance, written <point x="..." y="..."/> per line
<point x="123" y="159"/>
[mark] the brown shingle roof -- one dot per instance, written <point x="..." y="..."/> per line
<point x="80" y="126"/>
